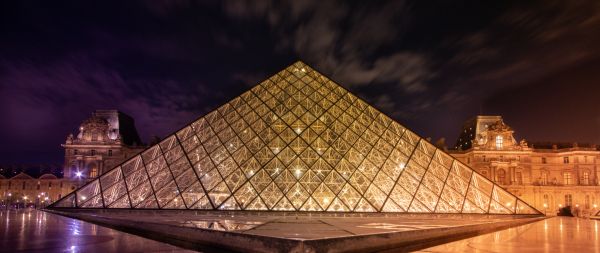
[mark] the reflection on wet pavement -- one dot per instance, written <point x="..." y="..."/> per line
<point x="221" y="225"/>
<point x="558" y="234"/>
<point x="303" y="227"/>
<point x="28" y="230"/>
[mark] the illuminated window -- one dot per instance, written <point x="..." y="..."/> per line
<point x="544" y="178"/>
<point x="567" y="178"/>
<point x="585" y="179"/>
<point x="568" y="200"/>
<point x="93" y="172"/>
<point x="499" y="142"/>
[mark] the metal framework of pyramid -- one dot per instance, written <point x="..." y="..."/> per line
<point x="296" y="142"/>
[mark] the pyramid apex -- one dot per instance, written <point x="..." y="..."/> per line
<point x="296" y="129"/>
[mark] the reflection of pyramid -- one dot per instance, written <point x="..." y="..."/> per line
<point x="296" y="142"/>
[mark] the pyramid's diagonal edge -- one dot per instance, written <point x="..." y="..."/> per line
<point x="296" y="142"/>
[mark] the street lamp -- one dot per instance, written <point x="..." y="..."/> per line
<point x="545" y="208"/>
<point x="78" y="174"/>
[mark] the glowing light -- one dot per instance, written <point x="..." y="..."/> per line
<point x="595" y="205"/>
<point x="83" y="197"/>
<point x="78" y="174"/>
<point x="545" y="205"/>
<point x="508" y="204"/>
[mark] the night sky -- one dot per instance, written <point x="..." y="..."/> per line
<point x="430" y="65"/>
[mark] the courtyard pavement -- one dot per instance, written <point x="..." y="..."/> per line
<point x="557" y="234"/>
<point x="28" y="230"/>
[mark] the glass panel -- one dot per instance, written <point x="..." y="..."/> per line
<point x="504" y="198"/>
<point x="219" y="194"/>
<point x="375" y="196"/>
<point x="401" y="197"/>
<point x="349" y="196"/>
<point x="68" y="201"/>
<point x="523" y="208"/>
<point x="391" y="206"/>
<point x="427" y="198"/>
<point x="297" y="195"/>
<point x="271" y="195"/>
<point x="94" y="202"/>
<point x="88" y="192"/>
<point x="453" y="198"/>
<point x="122" y="202"/>
<point x="141" y="193"/>
<point x="111" y="177"/>
<point x="114" y="192"/>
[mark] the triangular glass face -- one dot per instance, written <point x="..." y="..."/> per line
<point x="296" y="142"/>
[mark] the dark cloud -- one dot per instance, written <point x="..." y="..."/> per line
<point x="430" y="65"/>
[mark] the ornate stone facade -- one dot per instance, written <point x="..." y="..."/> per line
<point x="104" y="140"/>
<point x="24" y="190"/>
<point x="548" y="176"/>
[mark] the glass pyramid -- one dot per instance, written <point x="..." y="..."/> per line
<point x="296" y="142"/>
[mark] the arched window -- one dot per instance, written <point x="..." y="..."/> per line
<point x="499" y="142"/>
<point x="501" y="176"/>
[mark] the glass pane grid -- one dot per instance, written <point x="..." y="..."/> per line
<point x="296" y="142"/>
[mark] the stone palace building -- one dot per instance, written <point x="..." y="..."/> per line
<point x="106" y="139"/>
<point x="546" y="175"/>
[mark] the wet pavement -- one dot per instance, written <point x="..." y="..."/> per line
<point x="28" y="230"/>
<point x="558" y="234"/>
